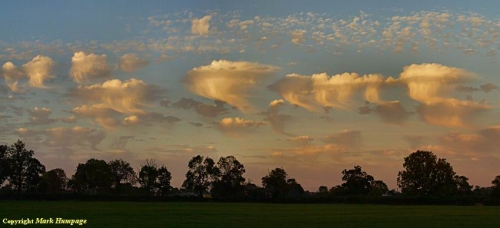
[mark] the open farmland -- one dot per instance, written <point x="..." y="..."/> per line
<point x="161" y="214"/>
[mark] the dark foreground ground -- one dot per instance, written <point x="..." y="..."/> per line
<point x="184" y="214"/>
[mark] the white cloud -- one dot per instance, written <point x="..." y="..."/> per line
<point x="201" y="26"/>
<point x="131" y="62"/>
<point x="89" y="66"/>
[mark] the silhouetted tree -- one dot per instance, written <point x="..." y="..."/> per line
<point x="122" y="173"/>
<point x="148" y="175"/>
<point x="323" y="191"/>
<point x="25" y="171"/>
<point x="163" y="180"/>
<point x="495" y="190"/>
<point x="54" y="181"/>
<point x="426" y="175"/>
<point x="463" y="186"/>
<point x="294" y="189"/>
<point x="229" y="180"/>
<point x="378" y="188"/>
<point x="200" y="176"/>
<point x="356" y="181"/>
<point x="93" y="176"/>
<point x="276" y="183"/>
<point x="4" y="164"/>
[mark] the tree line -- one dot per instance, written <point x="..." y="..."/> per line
<point x="424" y="176"/>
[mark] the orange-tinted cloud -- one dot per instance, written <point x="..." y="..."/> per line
<point x="89" y="66"/>
<point x="227" y="81"/>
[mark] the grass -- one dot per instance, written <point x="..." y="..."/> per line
<point x="183" y="214"/>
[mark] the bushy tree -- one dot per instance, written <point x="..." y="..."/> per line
<point x="426" y="175"/>
<point x="278" y="184"/>
<point x="4" y="164"/>
<point x="200" y="176"/>
<point x="229" y="178"/>
<point x="495" y="190"/>
<point x="356" y="181"/>
<point x="163" y="180"/>
<point x="122" y="173"/>
<point x="54" y="181"/>
<point x="93" y="176"/>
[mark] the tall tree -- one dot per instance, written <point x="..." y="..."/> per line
<point x="122" y="173"/>
<point x="276" y="182"/>
<point x="4" y="164"/>
<point x="201" y="174"/>
<point x="495" y="190"/>
<point x="95" y="175"/>
<point x="148" y="175"/>
<point x="463" y="186"/>
<point x="229" y="181"/>
<point x="54" y="181"/>
<point x="163" y="180"/>
<point x="426" y="175"/>
<point x="25" y="171"/>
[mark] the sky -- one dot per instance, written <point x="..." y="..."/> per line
<point x="314" y="87"/>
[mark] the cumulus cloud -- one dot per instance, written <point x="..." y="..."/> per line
<point x="238" y="127"/>
<point x="40" y="116"/>
<point x="201" y="26"/>
<point x="65" y="137"/>
<point x="37" y="71"/>
<point x="11" y="74"/>
<point x="89" y="66"/>
<point x="320" y="90"/>
<point x="429" y="83"/>
<point x="227" y="81"/>
<point x="107" y="101"/>
<point x="201" y="108"/>
<point x="131" y="62"/>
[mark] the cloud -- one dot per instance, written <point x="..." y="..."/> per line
<point x="298" y="36"/>
<point x="391" y="112"/>
<point x="89" y="66"/>
<point x="201" y="26"/>
<point x="414" y="141"/>
<point x="38" y="70"/>
<point x="334" y="91"/>
<point x="11" y="74"/>
<point x="302" y="140"/>
<point x="277" y="120"/>
<point x="227" y="81"/>
<point x="131" y="62"/>
<point x="345" y="139"/>
<point x="238" y="127"/>
<point x="481" y="143"/>
<point x="201" y="108"/>
<point x="121" y="142"/>
<point x="488" y="87"/>
<point x="200" y="149"/>
<point x="149" y="119"/>
<point x="40" y="116"/>
<point x="107" y="101"/>
<point x="429" y="83"/>
<point x="65" y="137"/>
<point x="130" y="96"/>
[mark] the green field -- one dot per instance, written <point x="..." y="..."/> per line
<point x="166" y="214"/>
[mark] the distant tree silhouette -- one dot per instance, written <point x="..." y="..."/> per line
<point x="356" y="181"/>
<point x="25" y="171"/>
<point x="463" y="186"/>
<point x="495" y="190"/>
<point x="200" y="176"/>
<point x="54" y="181"/>
<point x="122" y="173"/>
<point x="294" y="189"/>
<point x="426" y="175"/>
<point x="4" y="164"/>
<point x="229" y="178"/>
<point x="148" y="175"/>
<point x="275" y="182"/>
<point x="163" y="181"/>
<point x="92" y="177"/>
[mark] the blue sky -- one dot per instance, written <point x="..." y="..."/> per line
<point x="314" y="87"/>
